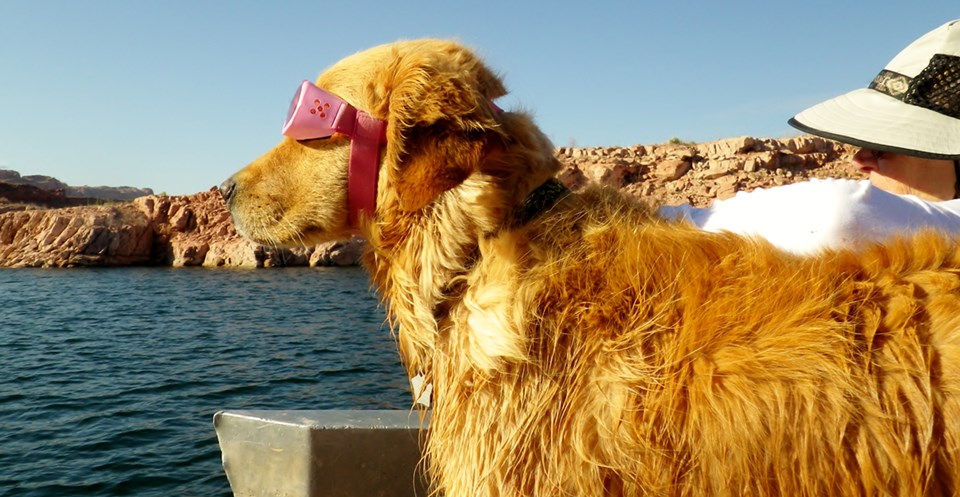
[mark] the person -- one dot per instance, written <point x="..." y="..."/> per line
<point x="907" y="125"/>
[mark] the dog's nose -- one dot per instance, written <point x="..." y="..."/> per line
<point x="227" y="189"/>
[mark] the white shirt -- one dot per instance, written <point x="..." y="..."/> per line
<point x="804" y="218"/>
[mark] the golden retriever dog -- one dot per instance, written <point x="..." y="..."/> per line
<point x="580" y="345"/>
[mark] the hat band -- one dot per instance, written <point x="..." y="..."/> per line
<point x="935" y="88"/>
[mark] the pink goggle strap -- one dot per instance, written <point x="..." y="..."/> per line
<point x="367" y="136"/>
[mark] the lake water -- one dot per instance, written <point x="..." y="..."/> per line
<point x="109" y="378"/>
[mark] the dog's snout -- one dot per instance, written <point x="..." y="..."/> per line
<point x="227" y="189"/>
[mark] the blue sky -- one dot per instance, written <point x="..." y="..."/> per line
<point x="177" y="95"/>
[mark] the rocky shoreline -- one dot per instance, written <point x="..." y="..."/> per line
<point x="196" y="230"/>
<point x="155" y="230"/>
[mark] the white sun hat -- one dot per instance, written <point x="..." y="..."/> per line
<point x="912" y="107"/>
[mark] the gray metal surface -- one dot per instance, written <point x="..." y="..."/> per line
<point x="321" y="453"/>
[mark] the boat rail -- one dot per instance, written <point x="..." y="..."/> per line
<point x="329" y="453"/>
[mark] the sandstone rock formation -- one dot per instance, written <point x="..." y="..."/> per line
<point x="49" y="183"/>
<point x="159" y="230"/>
<point x="75" y="236"/>
<point x="697" y="174"/>
<point x="20" y="197"/>
<point x="196" y="230"/>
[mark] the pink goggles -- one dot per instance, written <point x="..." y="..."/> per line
<point x="315" y="113"/>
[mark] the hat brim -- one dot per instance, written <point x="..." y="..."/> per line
<point x="874" y="120"/>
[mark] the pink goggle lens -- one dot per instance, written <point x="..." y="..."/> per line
<point x="315" y="113"/>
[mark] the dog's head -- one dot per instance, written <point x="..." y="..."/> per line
<point x="435" y="98"/>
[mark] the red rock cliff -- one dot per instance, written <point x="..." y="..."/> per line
<point x="190" y="230"/>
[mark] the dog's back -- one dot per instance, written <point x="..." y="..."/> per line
<point x="648" y="358"/>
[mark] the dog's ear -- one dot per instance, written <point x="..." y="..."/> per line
<point x="440" y="119"/>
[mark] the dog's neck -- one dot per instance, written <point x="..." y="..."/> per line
<point x="417" y="258"/>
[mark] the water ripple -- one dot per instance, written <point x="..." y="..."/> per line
<point x="112" y="376"/>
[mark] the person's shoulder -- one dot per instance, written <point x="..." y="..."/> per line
<point x="800" y="217"/>
<point x="812" y="188"/>
<point x="814" y="194"/>
<point x="952" y="206"/>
